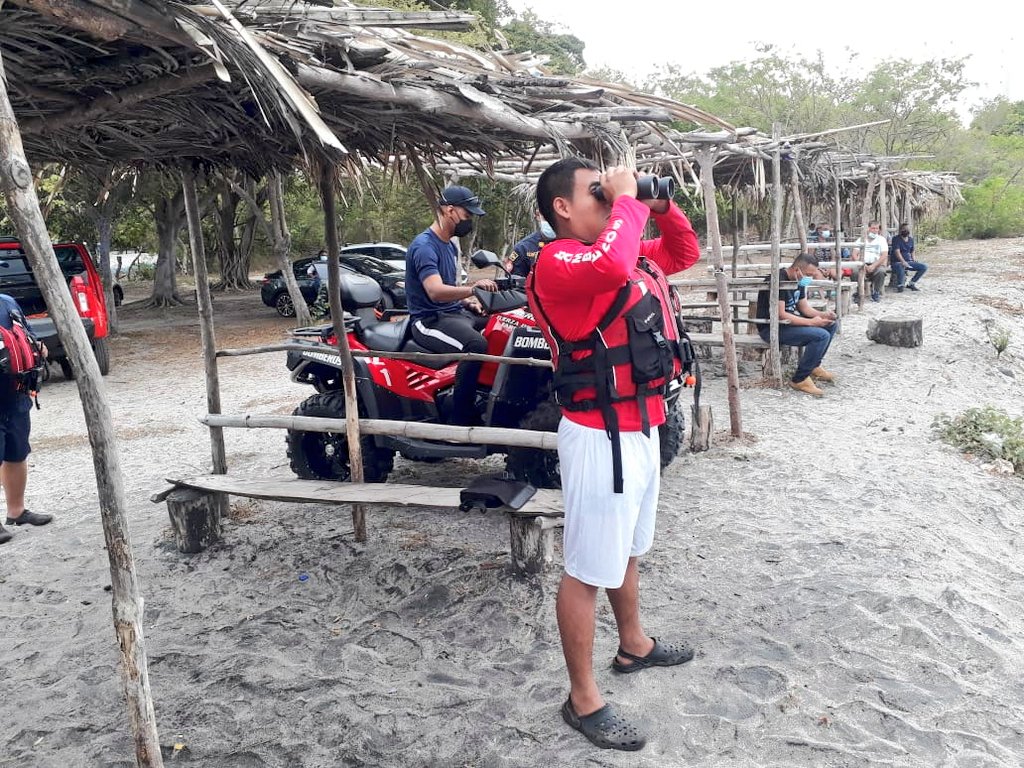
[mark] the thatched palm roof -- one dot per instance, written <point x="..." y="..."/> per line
<point x="262" y="82"/>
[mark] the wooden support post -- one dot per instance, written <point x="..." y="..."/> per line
<point x="195" y="518"/>
<point x="23" y="209"/>
<point x="205" y="302"/>
<point x="837" y="258"/>
<point x="798" y="203"/>
<point x="355" y="453"/>
<point x="701" y="426"/>
<point x="706" y="159"/>
<point x="532" y="543"/>
<point x="883" y="208"/>
<point x="773" y="358"/>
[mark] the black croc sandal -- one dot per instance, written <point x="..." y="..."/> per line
<point x="661" y="655"/>
<point x="605" y="728"/>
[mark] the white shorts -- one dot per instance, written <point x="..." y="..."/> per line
<point x="603" y="529"/>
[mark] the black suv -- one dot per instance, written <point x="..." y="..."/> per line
<point x="274" y="292"/>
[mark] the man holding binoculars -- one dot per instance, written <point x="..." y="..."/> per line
<point x="600" y="295"/>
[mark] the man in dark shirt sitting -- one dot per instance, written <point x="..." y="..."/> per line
<point x="901" y="259"/>
<point x="804" y="326"/>
<point x="438" y="305"/>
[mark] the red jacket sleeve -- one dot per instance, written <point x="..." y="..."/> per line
<point x="677" y="248"/>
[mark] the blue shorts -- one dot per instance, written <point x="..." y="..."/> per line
<point x="15" y="426"/>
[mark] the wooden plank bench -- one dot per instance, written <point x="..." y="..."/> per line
<point x="195" y="508"/>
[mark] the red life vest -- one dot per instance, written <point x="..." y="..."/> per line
<point x="637" y="348"/>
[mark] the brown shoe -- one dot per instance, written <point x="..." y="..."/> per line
<point x="821" y="373"/>
<point x="806" y="386"/>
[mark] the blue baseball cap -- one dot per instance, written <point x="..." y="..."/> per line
<point x="462" y="197"/>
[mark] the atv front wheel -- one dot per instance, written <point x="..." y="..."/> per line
<point x="537" y="467"/>
<point x="672" y="433"/>
<point x="324" y="455"/>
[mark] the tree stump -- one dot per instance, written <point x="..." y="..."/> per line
<point x="701" y="427"/>
<point x="533" y="543"/>
<point x="195" y="518"/>
<point x="896" y="331"/>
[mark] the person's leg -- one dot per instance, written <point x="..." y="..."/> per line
<point x="918" y="268"/>
<point x="625" y="602"/>
<point x="877" y="283"/>
<point x="575" y="610"/>
<point x="814" y="342"/>
<point x="14" y="478"/>
<point x="899" y="275"/>
<point x="454" y="332"/>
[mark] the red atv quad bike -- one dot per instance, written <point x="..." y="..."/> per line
<point x="18" y="281"/>
<point x="514" y="396"/>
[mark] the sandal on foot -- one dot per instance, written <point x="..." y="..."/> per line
<point x="605" y="728"/>
<point x="661" y="655"/>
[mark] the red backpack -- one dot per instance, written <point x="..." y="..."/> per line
<point x="21" y="357"/>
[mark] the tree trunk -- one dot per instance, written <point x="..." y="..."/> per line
<point x="169" y="216"/>
<point x="104" y="230"/>
<point x="897" y="331"/>
<point x="282" y="244"/>
<point x="235" y="256"/>
<point x="126" y="601"/>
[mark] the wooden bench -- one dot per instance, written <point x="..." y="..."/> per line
<point x="196" y="504"/>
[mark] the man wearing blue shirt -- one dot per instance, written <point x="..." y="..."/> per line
<point x="15" y="425"/>
<point x="901" y="259"/>
<point x="441" y="320"/>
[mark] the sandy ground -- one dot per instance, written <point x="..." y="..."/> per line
<point x="853" y="587"/>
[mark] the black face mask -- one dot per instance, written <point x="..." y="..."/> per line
<point x="463" y="228"/>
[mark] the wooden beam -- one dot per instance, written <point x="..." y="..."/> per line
<point x="520" y="438"/>
<point x="23" y="208"/>
<point x="482" y="109"/>
<point x="122" y="100"/>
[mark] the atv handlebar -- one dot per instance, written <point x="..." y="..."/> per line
<point x="494" y="302"/>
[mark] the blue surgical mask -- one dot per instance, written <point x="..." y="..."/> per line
<point x="546" y="230"/>
<point x="825" y="232"/>
<point x="804" y="282"/>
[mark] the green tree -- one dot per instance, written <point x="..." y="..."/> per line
<point x="529" y="32"/>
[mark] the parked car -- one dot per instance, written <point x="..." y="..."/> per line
<point x="18" y="281"/>
<point x="391" y="281"/>
<point x="392" y="253"/>
<point x="274" y="292"/>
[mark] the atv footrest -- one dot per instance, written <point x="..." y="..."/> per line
<point x="418" y="450"/>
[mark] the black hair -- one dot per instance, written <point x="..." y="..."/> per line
<point x="559" y="181"/>
<point x="806" y="258"/>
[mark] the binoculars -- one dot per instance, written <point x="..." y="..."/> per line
<point x="647" y="188"/>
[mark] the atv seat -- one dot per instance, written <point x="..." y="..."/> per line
<point x="386" y="337"/>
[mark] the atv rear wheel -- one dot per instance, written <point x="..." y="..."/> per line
<point x="672" y="433"/>
<point x="324" y="455"/>
<point x="537" y="467"/>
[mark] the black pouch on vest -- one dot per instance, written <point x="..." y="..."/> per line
<point x="490" y="492"/>
<point x="650" y="351"/>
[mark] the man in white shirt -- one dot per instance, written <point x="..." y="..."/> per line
<point x="876" y="258"/>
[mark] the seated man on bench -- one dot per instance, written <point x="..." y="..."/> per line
<point x="805" y="326"/>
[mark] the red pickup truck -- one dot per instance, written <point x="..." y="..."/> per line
<point x="17" y="281"/>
